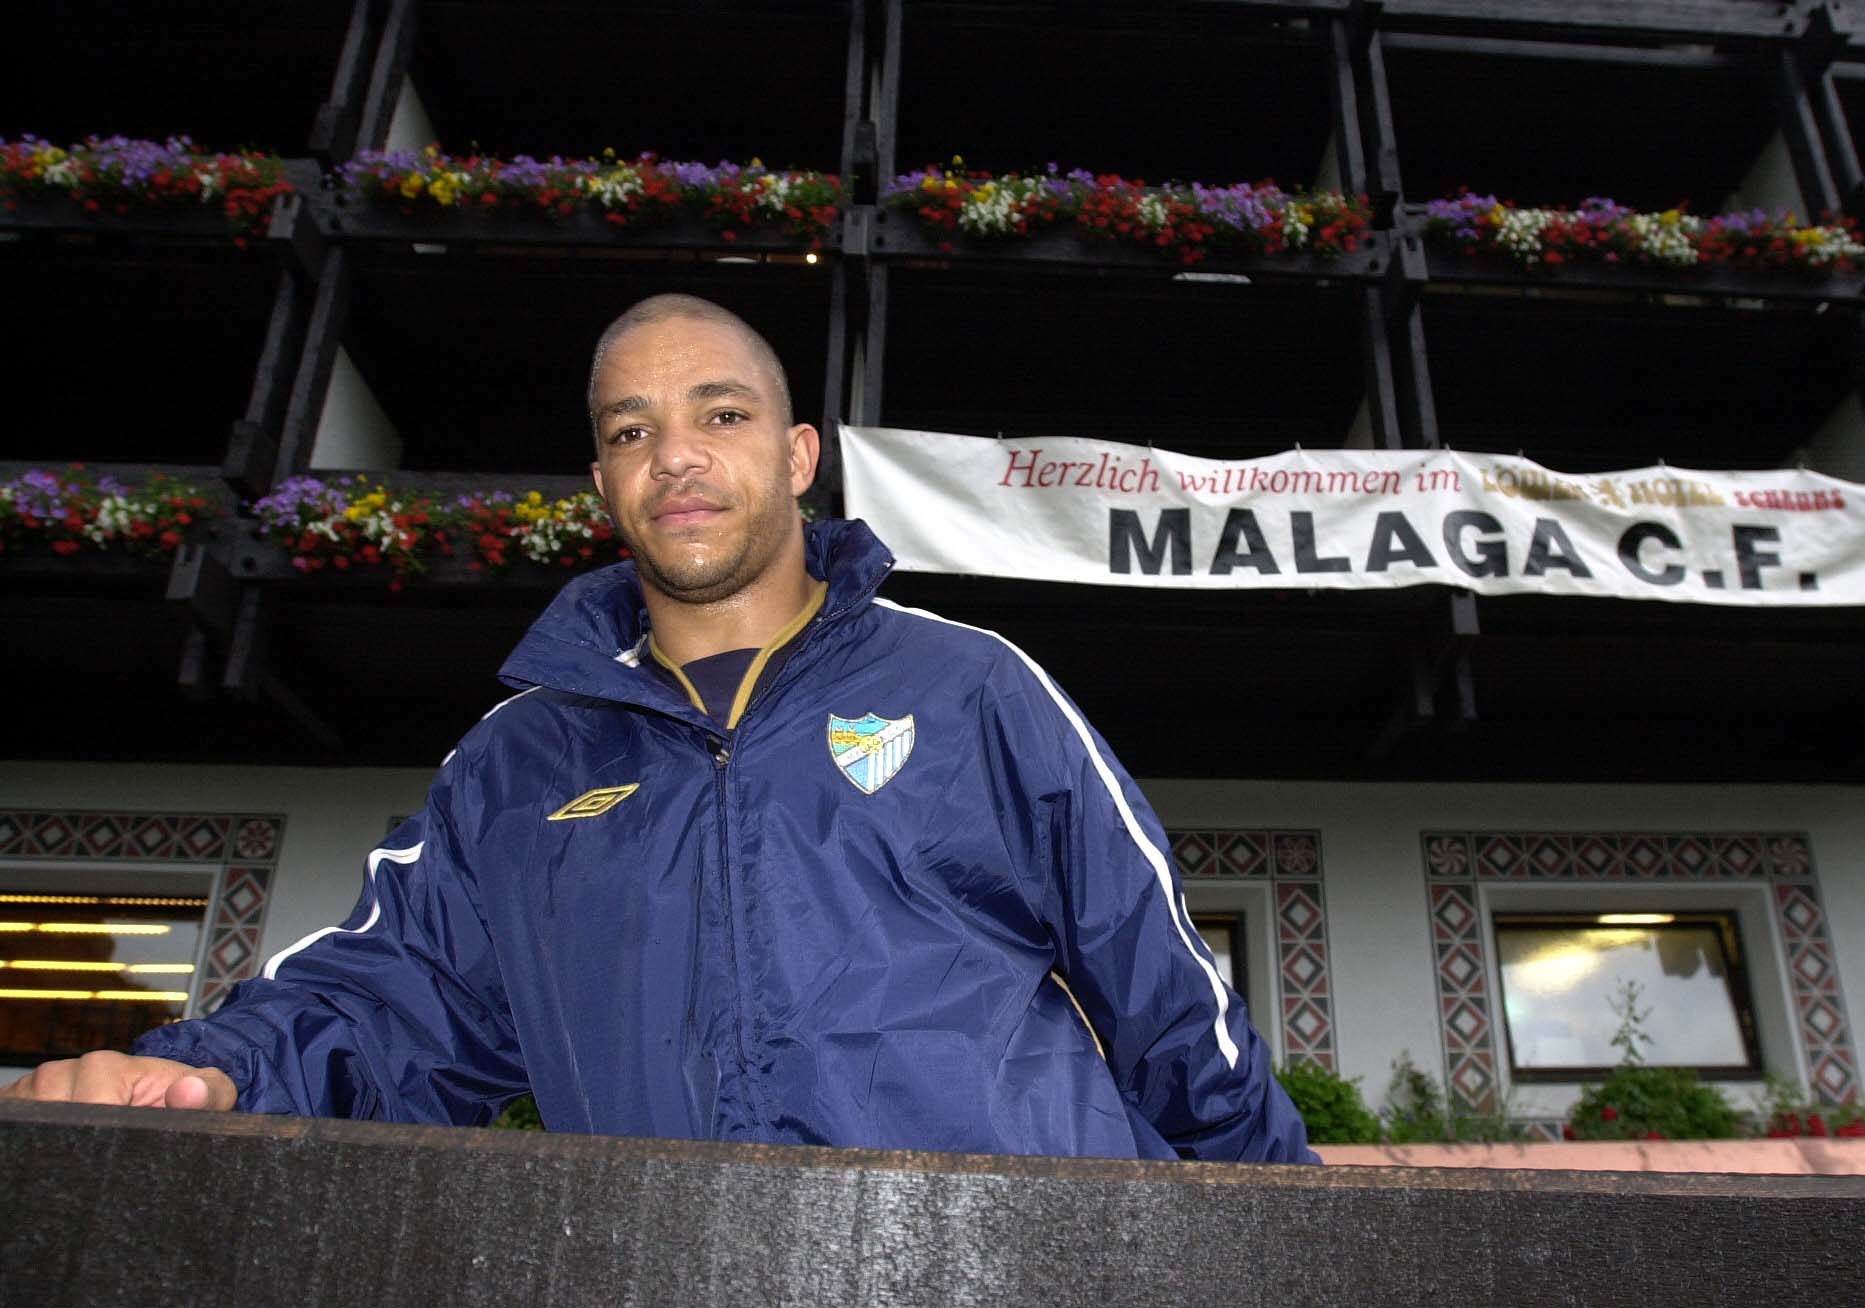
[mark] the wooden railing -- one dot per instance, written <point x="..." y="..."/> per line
<point x="121" y="1206"/>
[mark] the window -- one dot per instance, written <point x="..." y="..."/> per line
<point x="81" y="972"/>
<point x="1563" y="974"/>
<point x="1225" y="936"/>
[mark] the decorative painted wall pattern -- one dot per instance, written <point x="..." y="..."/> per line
<point x="243" y="849"/>
<point x="1456" y="861"/>
<point x="1290" y="862"/>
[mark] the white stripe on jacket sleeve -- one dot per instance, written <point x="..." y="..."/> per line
<point x="376" y="858"/>
<point x="1148" y="850"/>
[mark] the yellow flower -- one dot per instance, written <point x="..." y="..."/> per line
<point x="958" y="161"/>
<point x="443" y="190"/>
<point x="412" y="185"/>
<point x="1670" y="217"/>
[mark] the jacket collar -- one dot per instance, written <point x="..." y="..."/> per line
<point x="592" y="636"/>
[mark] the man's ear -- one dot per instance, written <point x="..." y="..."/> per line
<point x="595" y="472"/>
<point x="805" y="452"/>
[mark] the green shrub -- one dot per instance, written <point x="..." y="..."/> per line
<point x="1330" y="1104"/>
<point x="1786" y="1111"/>
<point x="1416" y="1112"/>
<point x="1638" y="1102"/>
<point x="520" y="1115"/>
<point x="1641" y="1102"/>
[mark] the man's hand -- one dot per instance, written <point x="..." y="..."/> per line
<point x="123" y="1079"/>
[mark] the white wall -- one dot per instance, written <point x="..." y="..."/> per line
<point x="1770" y="184"/>
<point x="353" y="430"/>
<point x="333" y="817"/>
<point x="1380" y="947"/>
<point x="410" y="128"/>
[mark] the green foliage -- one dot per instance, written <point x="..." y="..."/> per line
<point x="520" y="1115"/>
<point x="1639" y="1102"/>
<point x="1416" y="1112"/>
<point x="1654" y="1103"/>
<point x="1785" y="1111"/>
<point x="1330" y="1104"/>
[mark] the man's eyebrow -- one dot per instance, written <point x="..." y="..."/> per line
<point x="723" y="389"/>
<point x="627" y="404"/>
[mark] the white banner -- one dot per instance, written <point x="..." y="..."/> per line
<point x="1072" y="509"/>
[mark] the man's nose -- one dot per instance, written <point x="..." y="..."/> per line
<point x="680" y="450"/>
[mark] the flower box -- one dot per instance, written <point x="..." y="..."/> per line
<point x="1772" y="1157"/>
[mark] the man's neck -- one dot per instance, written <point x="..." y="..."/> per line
<point x="748" y="620"/>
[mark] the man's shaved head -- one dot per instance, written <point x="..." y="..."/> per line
<point x="660" y="308"/>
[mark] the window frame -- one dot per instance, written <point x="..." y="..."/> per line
<point x="1725" y="922"/>
<point x="1237" y="923"/>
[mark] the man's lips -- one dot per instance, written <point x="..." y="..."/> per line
<point x="686" y="511"/>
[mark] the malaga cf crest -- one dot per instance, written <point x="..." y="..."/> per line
<point x="869" y="750"/>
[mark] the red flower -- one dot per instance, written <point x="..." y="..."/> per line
<point x="1609" y="1114"/>
<point x="65" y="547"/>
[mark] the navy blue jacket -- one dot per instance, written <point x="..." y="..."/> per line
<point x="909" y="901"/>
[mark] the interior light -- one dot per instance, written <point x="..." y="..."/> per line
<point x="92" y="928"/>
<point x="1635" y="919"/>
<point x="127" y="901"/>
<point x="88" y="965"/>
<point x="110" y="996"/>
<point x="810" y="257"/>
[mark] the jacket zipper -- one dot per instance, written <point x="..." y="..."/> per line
<point x="721" y="761"/>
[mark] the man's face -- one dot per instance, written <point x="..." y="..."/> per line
<point x="694" y="460"/>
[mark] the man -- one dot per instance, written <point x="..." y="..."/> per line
<point x="752" y="856"/>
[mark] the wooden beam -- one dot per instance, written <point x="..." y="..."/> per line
<point x="1705" y="20"/>
<point x="323" y="336"/>
<point x="333" y="130"/>
<point x="1480" y="47"/>
<point x="1344" y="107"/>
<point x="874" y="351"/>
<point x="393" y="53"/>
<point x="827" y="492"/>
<point x="1384" y="187"/>
<point x="884" y="110"/>
<point x="1382" y="396"/>
<point x="858" y="140"/>
<point x="1800" y="129"/>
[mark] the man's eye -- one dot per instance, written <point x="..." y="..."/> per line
<point x="729" y="417"/>
<point x="627" y="435"/>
